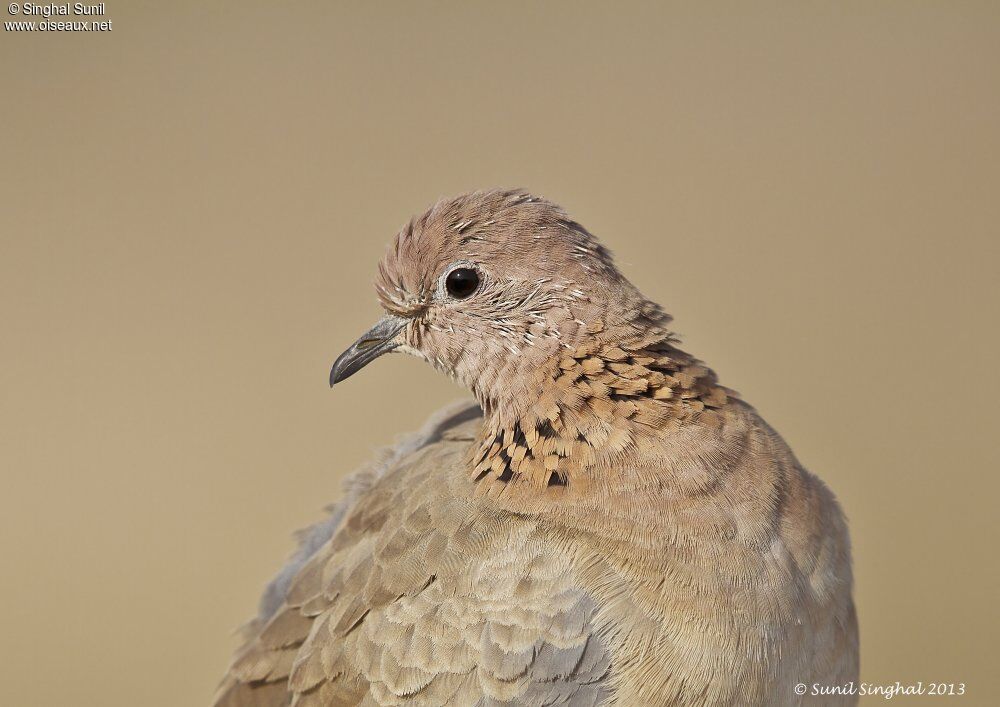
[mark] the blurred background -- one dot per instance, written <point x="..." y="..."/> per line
<point x="193" y="205"/>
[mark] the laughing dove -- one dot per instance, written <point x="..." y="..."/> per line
<point x="609" y="525"/>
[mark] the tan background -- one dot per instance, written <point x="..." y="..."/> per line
<point x="192" y="210"/>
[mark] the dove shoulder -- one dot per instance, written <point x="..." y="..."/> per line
<point x="721" y="571"/>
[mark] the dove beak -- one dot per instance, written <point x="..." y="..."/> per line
<point x="378" y="340"/>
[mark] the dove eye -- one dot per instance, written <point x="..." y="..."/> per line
<point x="461" y="282"/>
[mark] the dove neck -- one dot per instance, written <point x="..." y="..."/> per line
<point x="594" y="407"/>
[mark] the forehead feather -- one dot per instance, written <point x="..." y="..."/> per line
<point x="499" y="228"/>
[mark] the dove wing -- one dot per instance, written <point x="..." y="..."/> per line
<point x="423" y="596"/>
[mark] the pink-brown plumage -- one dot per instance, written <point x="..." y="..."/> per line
<point x="614" y="526"/>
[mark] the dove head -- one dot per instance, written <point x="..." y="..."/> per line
<point x="493" y="288"/>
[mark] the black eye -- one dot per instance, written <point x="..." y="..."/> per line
<point x="461" y="282"/>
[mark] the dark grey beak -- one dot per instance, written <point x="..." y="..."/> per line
<point x="376" y="341"/>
